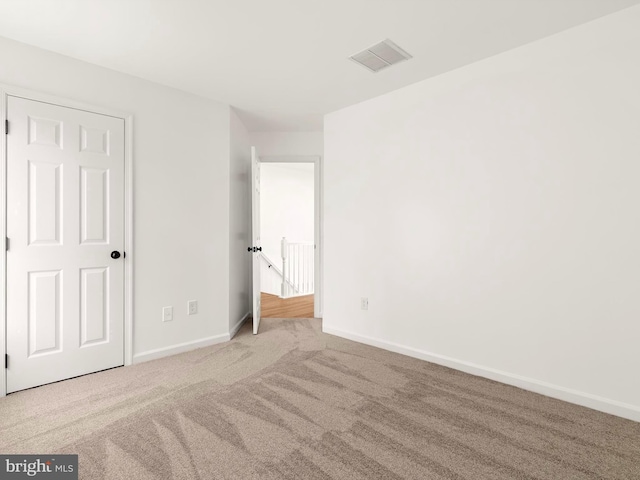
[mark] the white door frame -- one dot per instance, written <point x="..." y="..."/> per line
<point x="318" y="219"/>
<point x="6" y="91"/>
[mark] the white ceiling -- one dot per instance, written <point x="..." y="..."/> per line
<point x="283" y="63"/>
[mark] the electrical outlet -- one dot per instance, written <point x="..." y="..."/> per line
<point x="364" y="303"/>
<point x="192" y="307"/>
<point x="167" y="314"/>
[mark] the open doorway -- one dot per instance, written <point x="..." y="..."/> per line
<point x="289" y="224"/>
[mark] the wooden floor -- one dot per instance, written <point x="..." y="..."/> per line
<point x="276" y="307"/>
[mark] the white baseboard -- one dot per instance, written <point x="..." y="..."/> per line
<point x="237" y="326"/>
<point x="620" y="409"/>
<point x="179" y="348"/>
<point x="185" y="347"/>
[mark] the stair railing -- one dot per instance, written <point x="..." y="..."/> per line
<point x="297" y="268"/>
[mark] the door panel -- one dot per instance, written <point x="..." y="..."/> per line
<point x="94" y="205"/>
<point x="65" y="214"/>
<point x="43" y="316"/>
<point x="44" y="203"/>
<point x="255" y="234"/>
<point x="94" y="301"/>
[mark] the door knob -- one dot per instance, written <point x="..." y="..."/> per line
<point x="259" y="249"/>
<point x="115" y="254"/>
<point x="249" y="249"/>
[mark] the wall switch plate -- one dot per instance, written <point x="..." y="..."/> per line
<point x="364" y="303"/>
<point x="167" y="314"/>
<point x="192" y="307"/>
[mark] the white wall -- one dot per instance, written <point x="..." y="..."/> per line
<point x="507" y="192"/>
<point x="286" y="206"/>
<point x="239" y="224"/>
<point x="181" y="191"/>
<point x="288" y="143"/>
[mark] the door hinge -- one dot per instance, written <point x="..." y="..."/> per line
<point x="7" y="243"/>
<point x="6" y="360"/>
<point x="6" y="127"/>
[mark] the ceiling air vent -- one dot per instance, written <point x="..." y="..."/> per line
<point x="381" y="55"/>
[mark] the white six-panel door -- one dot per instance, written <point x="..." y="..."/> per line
<point x="65" y="217"/>
<point x="255" y="236"/>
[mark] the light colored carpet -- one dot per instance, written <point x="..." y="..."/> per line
<point x="293" y="403"/>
